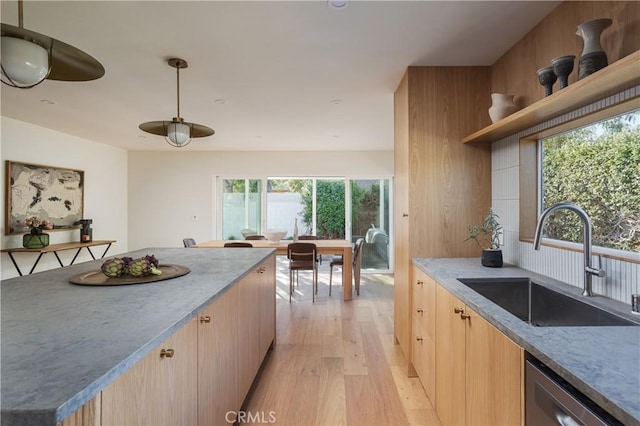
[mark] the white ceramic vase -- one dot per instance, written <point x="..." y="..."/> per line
<point x="593" y="56"/>
<point x="501" y="106"/>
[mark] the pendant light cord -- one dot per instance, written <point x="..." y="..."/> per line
<point x="20" y="13"/>
<point x="178" y="88"/>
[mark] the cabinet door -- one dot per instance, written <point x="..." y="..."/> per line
<point x="267" y="273"/>
<point x="424" y="331"/>
<point x="218" y="360"/>
<point x="248" y="331"/>
<point x="450" y="359"/>
<point x="494" y="385"/>
<point x="160" y="389"/>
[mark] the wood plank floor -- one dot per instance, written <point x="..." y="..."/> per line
<point x="334" y="362"/>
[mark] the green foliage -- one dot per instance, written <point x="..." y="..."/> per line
<point x="330" y="209"/>
<point x="598" y="169"/>
<point x="487" y="234"/>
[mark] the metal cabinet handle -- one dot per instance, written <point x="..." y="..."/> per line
<point x="464" y="316"/>
<point x="458" y="310"/>
<point x="167" y="353"/>
<point x="419" y="339"/>
<point x="420" y="282"/>
<point x="205" y="319"/>
<point x="420" y="311"/>
<point x="261" y="270"/>
<point x="405" y="214"/>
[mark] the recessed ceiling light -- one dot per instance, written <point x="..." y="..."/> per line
<point x="47" y="101"/>
<point x="337" y="4"/>
<point x="336" y="101"/>
<point x="220" y="101"/>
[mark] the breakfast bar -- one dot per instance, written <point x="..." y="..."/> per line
<point x="64" y="344"/>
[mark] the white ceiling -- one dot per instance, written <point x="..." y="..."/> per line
<point x="278" y="66"/>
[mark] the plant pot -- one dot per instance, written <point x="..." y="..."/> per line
<point x="35" y="240"/>
<point x="492" y="258"/>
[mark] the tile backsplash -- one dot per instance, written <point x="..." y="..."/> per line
<point x="622" y="278"/>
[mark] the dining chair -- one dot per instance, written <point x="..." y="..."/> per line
<point x="188" y="242"/>
<point x="238" y="244"/>
<point x="302" y="257"/>
<point x="356" y="262"/>
<point x="255" y="237"/>
<point x="310" y="238"/>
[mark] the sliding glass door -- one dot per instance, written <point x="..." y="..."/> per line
<point x="370" y="220"/>
<point x="241" y="208"/>
<point x="330" y="208"/>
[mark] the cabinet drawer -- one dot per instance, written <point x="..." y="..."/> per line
<point x="424" y="358"/>
<point x="424" y="303"/>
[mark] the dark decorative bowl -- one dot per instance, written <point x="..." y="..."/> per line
<point x="547" y="77"/>
<point x="562" y="67"/>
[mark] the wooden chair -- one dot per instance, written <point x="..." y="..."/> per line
<point x="357" y="264"/>
<point x="302" y="257"/>
<point x="238" y="244"/>
<point x="310" y="238"/>
<point x="255" y="237"/>
<point x="188" y="242"/>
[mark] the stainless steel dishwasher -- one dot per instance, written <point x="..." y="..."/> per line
<point x="550" y="400"/>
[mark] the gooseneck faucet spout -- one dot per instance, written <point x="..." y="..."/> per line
<point x="589" y="270"/>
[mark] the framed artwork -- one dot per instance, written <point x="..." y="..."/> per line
<point x="52" y="193"/>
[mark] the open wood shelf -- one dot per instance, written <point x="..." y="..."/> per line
<point x="620" y="75"/>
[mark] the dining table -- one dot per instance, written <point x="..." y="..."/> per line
<point x="331" y="247"/>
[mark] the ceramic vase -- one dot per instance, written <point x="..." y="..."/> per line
<point x="562" y="67"/>
<point x="546" y="77"/>
<point x="36" y="239"/>
<point x="501" y="106"/>
<point x="593" y="56"/>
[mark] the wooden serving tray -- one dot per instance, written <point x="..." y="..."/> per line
<point x="98" y="278"/>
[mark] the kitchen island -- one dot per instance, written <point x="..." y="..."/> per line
<point x="602" y="362"/>
<point x="63" y="344"/>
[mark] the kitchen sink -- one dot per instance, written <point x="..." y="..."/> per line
<point x="541" y="306"/>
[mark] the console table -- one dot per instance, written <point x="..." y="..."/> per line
<point x="55" y="248"/>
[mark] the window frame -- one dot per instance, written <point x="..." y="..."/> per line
<point x="530" y="183"/>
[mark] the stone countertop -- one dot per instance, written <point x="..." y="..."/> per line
<point x="601" y="362"/>
<point x="63" y="343"/>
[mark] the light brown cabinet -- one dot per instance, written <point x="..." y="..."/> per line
<point x="201" y="372"/>
<point x="424" y="331"/>
<point x="479" y="375"/>
<point x="218" y="359"/>
<point x="441" y="185"/>
<point x="159" y="389"/>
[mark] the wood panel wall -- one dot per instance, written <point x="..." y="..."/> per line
<point x="441" y="185"/>
<point x="555" y="35"/>
<point x="449" y="184"/>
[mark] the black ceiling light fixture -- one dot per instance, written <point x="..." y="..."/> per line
<point x="28" y="58"/>
<point x="177" y="132"/>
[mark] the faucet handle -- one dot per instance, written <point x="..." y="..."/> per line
<point x="597" y="271"/>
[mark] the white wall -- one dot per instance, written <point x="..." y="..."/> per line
<point x="105" y="193"/>
<point x="172" y="194"/>
<point x="622" y="278"/>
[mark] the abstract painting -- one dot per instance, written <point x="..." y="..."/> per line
<point x="52" y="193"/>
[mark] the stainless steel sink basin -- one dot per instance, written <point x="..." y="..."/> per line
<point x="541" y="306"/>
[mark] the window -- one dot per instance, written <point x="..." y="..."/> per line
<point x="596" y="167"/>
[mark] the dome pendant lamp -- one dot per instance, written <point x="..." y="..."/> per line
<point x="28" y="58"/>
<point x="177" y="132"/>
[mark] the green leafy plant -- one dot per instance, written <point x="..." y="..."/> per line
<point x="486" y="235"/>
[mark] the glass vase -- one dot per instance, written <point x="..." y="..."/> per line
<point x="36" y="239"/>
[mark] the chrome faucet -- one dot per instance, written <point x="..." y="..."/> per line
<point x="589" y="270"/>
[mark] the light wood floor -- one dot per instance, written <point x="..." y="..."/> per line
<point x="334" y="362"/>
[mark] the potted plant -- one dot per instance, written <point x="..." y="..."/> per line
<point x="486" y="235"/>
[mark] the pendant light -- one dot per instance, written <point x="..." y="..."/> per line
<point x="177" y="132"/>
<point x="28" y="58"/>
